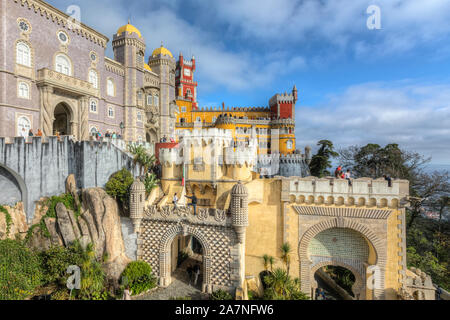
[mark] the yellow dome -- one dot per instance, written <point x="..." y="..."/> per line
<point x="147" y="67"/>
<point x="163" y="51"/>
<point x="130" y="29"/>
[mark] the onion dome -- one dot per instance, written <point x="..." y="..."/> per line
<point x="147" y="67"/>
<point x="129" y="28"/>
<point x="239" y="189"/>
<point x="137" y="185"/>
<point x="162" y="51"/>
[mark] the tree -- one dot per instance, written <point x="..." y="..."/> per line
<point x="320" y="162"/>
<point x="286" y="255"/>
<point x="118" y="186"/>
<point x="142" y="158"/>
<point x="280" y="286"/>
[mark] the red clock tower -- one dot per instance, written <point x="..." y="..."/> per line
<point x="186" y="87"/>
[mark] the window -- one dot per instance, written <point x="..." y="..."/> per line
<point x="188" y="92"/>
<point x="24" y="90"/>
<point x="94" y="131"/>
<point x="110" y="88"/>
<point x="139" y="94"/>
<point x="62" y="64"/>
<point x="139" y="116"/>
<point x="93" y="106"/>
<point x="289" y="144"/>
<point x="93" y="79"/>
<point x="156" y="100"/>
<point x="111" y="112"/>
<point x="23" y="54"/>
<point x="214" y="119"/>
<point x="183" y="109"/>
<point x="62" y="36"/>
<point x="149" y="99"/>
<point x="140" y="139"/>
<point x="23" y="126"/>
<point x="198" y="119"/>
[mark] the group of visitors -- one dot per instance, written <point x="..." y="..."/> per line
<point x="340" y="174"/>
<point x="164" y="139"/>
<point x="193" y="201"/>
<point x="30" y="133"/>
<point x="98" y="135"/>
<point x="193" y="273"/>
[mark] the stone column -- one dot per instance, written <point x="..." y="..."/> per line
<point x="46" y="114"/>
<point x="83" y="133"/>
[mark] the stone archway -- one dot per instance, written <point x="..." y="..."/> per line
<point x="358" y="287"/>
<point x="13" y="188"/>
<point x="63" y="117"/>
<point x="165" y="255"/>
<point x="306" y="265"/>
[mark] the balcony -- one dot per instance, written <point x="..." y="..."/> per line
<point x="47" y="77"/>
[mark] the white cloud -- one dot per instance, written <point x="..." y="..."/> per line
<point x="416" y="116"/>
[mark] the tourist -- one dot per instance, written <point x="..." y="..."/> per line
<point x="337" y="172"/>
<point x="30" y="133"/>
<point x="39" y="133"/>
<point x="107" y="135"/>
<point x="127" y="293"/>
<point x="23" y="133"/>
<point x="196" y="273"/>
<point x="193" y="202"/>
<point x="171" y="140"/>
<point x="175" y="200"/>
<point x="388" y="179"/>
<point x="114" y="135"/>
<point x="57" y="135"/>
<point x="347" y="176"/>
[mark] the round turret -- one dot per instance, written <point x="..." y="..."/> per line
<point x="137" y="201"/>
<point x="239" y="210"/>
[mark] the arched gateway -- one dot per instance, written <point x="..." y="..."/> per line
<point x="220" y="233"/>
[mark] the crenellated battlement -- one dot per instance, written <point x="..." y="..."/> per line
<point x="282" y="98"/>
<point x="362" y="192"/>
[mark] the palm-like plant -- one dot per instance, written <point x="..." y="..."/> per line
<point x="286" y="251"/>
<point x="278" y="282"/>
<point x="271" y="262"/>
<point x="141" y="157"/>
<point x="266" y="262"/>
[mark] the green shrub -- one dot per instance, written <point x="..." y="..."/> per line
<point x="221" y="295"/>
<point x="56" y="260"/>
<point x="20" y="270"/>
<point x="92" y="275"/>
<point x="138" y="275"/>
<point x="118" y="186"/>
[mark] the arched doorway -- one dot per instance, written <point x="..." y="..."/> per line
<point x="335" y="282"/>
<point x="62" y="117"/>
<point x="180" y="246"/>
<point x="186" y="263"/>
<point x="14" y="188"/>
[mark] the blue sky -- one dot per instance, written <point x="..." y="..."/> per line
<point x="355" y="85"/>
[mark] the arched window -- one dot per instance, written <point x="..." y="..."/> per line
<point x="110" y="87"/>
<point x="111" y="112"/>
<point x="93" y="106"/>
<point x="24" y="90"/>
<point x="214" y="119"/>
<point x="62" y="64"/>
<point x="156" y="100"/>
<point x="93" y="78"/>
<point x="23" y="54"/>
<point x="93" y="131"/>
<point x="198" y="119"/>
<point x="149" y="99"/>
<point x="23" y="126"/>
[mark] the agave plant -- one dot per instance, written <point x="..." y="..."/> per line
<point x="286" y="251"/>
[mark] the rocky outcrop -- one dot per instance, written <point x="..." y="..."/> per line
<point x="18" y="224"/>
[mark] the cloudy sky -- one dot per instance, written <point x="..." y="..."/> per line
<point x="355" y="85"/>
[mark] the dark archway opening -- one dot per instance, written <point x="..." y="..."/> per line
<point x="340" y="276"/>
<point x="61" y="124"/>
<point x="187" y="261"/>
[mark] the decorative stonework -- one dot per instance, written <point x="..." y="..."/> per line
<point x="342" y="212"/>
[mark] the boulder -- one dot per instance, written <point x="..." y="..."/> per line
<point x="18" y="221"/>
<point x="71" y="187"/>
<point x="65" y="224"/>
<point x="55" y="239"/>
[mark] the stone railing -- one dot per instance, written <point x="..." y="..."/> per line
<point x="123" y="145"/>
<point x="362" y="191"/>
<point x="209" y="216"/>
<point x="55" y="79"/>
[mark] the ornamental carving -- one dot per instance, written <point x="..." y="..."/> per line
<point x="166" y="211"/>
<point x="202" y="213"/>
<point x="150" y="211"/>
<point x="219" y="215"/>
